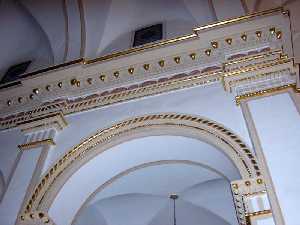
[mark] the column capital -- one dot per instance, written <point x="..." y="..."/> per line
<point x="251" y="200"/>
<point x="35" y="218"/>
<point x="41" y="131"/>
<point x="260" y="75"/>
<point x="52" y="121"/>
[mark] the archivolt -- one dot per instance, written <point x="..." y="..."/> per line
<point x="148" y="125"/>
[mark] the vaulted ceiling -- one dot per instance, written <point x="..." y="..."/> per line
<point x="56" y="31"/>
<point x="139" y="195"/>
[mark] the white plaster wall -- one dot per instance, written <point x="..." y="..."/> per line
<point x="9" y="141"/>
<point x="278" y="126"/>
<point x="16" y="190"/>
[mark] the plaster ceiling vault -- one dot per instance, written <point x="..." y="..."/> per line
<point x="57" y="31"/>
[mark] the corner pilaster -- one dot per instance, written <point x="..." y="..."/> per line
<point x="251" y="202"/>
<point x="40" y="137"/>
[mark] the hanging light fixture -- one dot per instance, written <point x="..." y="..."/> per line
<point x="174" y="197"/>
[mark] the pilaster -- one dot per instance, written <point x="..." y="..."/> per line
<point x="40" y="134"/>
<point x="251" y="202"/>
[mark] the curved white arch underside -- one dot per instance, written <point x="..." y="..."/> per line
<point x="129" y="154"/>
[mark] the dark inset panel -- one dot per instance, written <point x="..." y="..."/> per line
<point x="14" y="72"/>
<point x="148" y="34"/>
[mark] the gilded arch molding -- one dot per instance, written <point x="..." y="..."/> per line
<point x="149" y="125"/>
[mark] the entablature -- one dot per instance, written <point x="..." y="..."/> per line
<point x="227" y="52"/>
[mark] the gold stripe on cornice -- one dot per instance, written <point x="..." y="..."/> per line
<point x="254" y="57"/>
<point x="259" y="213"/>
<point x="253" y="68"/>
<point x="237" y="20"/>
<point x="185" y="37"/>
<point x="36" y="144"/>
<point x="140" y="49"/>
<point x="158" y="44"/>
<point x="54" y="67"/>
<point x="248" y="216"/>
<point x="262" y="93"/>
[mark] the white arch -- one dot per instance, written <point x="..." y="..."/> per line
<point x="159" y="124"/>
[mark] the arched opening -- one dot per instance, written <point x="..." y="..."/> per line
<point x="134" y="142"/>
<point x="203" y="195"/>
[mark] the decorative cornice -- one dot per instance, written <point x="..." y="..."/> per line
<point x="54" y="120"/>
<point x="257" y="67"/>
<point x="36" y="144"/>
<point x="212" y="53"/>
<point x="152" y="46"/>
<point x="121" y="80"/>
<point x="262" y="93"/>
<point x="148" y="88"/>
<point x="248" y="60"/>
<point x="41" y="131"/>
<point x="142" y="48"/>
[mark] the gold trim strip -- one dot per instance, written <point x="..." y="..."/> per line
<point x="36" y="144"/>
<point x="248" y="216"/>
<point x="253" y="57"/>
<point x="262" y="93"/>
<point x="156" y="45"/>
<point x="54" y="67"/>
<point x="237" y="20"/>
<point x="259" y="213"/>
<point x="142" y="48"/>
<point x="253" y="68"/>
<point x="157" y="88"/>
